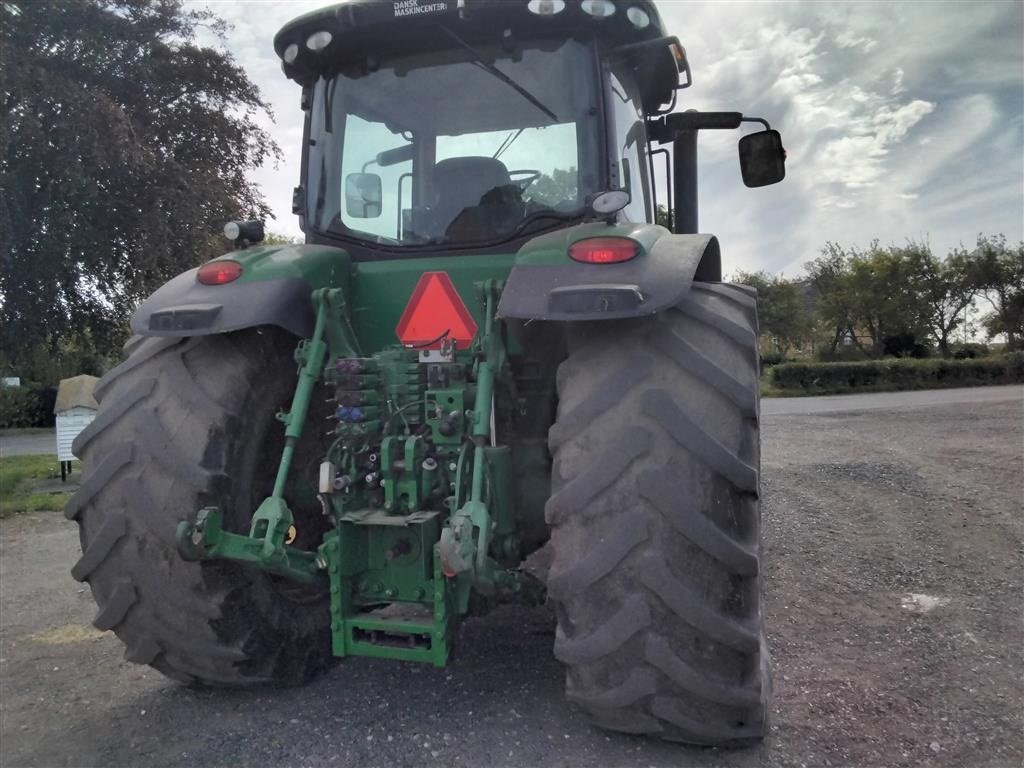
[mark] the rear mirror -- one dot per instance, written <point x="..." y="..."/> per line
<point x="762" y="158"/>
<point x="397" y="155"/>
<point x="363" y="195"/>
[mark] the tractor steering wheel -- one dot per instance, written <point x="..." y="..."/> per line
<point x="523" y="184"/>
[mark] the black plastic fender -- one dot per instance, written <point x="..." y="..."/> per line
<point x="183" y="307"/>
<point x="275" y="288"/>
<point x="655" y="280"/>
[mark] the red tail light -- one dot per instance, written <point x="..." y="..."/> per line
<point x="603" y="250"/>
<point x="219" y="272"/>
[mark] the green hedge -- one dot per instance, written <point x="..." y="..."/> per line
<point x="23" y="407"/>
<point x="895" y="374"/>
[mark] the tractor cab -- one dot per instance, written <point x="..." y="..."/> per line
<point x="475" y="124"/>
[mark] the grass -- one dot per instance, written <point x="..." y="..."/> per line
<point x="18" y="475"/>
<point x="768" y="389"/>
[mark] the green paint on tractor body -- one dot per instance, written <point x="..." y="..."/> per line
<point x="419" y="499"/>
<point x="319" y="265"/>
<point x="426" y="507"/>
<point x="435" y="468"/>
<point x="422" y="500"/>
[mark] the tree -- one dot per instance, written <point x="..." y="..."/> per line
<point x="274" y="238"/>
<point x="828" y="275"/>
<point x="997" y="271"/>
<point x="943" y="290"/>
<point x="663" y="217"/>
<point x="125" y="147"/>
<point x="881" y="299"/>
<point x="557" y="187"/>
<point x="867" y="294"/>
<point x="780" y="307"/>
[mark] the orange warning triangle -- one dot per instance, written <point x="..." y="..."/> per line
<point x="435" y="311"/>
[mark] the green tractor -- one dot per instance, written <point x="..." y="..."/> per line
<point x="487" y="375"/>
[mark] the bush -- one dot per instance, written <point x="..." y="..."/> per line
<point x="841" y="354"/>
<point x="903" y="345"/>
<point x="1015" y="366"/>
<point x="23" y="407"/>
<point x="970" y="351"/>
<point x="890" y="375"/>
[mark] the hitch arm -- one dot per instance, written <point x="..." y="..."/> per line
<point x="265" y="545"/>
<point x="206" y="539"/>
<point x="463" y="551"/>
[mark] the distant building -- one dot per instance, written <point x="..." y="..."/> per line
<point x="75" y="409"/>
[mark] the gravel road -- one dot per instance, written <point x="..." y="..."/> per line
<point x="894" y="594"/>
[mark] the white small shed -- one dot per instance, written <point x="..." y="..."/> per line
<point x="75" y="409"/>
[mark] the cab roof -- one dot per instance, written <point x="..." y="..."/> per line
<point x="358" y="29"/>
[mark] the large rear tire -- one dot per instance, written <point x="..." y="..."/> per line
<point x="184" y="424"/>
<point x="656" y="522"/>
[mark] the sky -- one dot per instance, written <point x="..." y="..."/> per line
<point x="900" y="119"/>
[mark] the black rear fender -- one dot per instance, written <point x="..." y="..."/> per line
<point x="545" y="284"/>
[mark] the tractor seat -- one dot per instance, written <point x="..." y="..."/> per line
<point x="461" y="183"/>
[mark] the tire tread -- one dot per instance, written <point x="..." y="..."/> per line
<point x="161" y="426"/>
<point x="655" y="515"/>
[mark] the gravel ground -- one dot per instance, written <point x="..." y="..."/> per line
<point x="895" y="591"/>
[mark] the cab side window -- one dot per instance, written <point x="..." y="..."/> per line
<point x="628" y="128"/>
<point x="364" y="140"/>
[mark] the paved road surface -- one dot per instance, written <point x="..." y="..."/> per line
<point x="24" y="445"/>
<point x="20" y="445"/>
<point x="894" y="587"/>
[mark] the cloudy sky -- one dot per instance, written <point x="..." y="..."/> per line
<point x="901" y="119"/>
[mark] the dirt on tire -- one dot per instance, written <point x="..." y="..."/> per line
<point x="183" y="424"/>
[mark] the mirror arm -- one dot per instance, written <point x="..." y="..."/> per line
<point x="681" y="129"/>
<point x="665" y="129"/>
